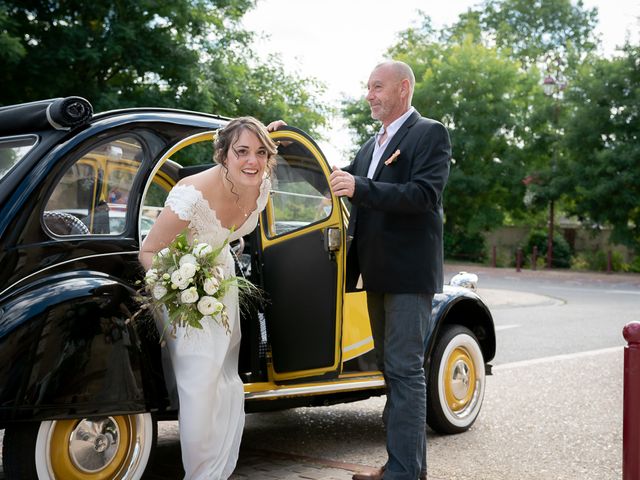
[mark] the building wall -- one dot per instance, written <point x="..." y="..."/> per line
<point x="508" y="239"/>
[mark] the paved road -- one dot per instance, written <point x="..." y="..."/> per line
<point x="552" y="409"/>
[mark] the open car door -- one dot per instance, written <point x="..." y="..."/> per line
<point x="302" y="257"/>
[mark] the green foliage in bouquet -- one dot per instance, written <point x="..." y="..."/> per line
<point x="189" y="281"/>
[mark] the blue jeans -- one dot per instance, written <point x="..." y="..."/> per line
<point x="401" y="326"/>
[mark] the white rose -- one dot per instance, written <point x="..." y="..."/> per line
<point x="209" y="306"/>
<point x="179" y="280"/>
<point x="164" y="252"/>
<point x="190" y="295"/>
<point x="218" y="272"/>
<point x="187" y="270"/>
<point x="188" y="258"/>
<point x="159" y="291"/>
<point x="202" y="249"/>
<point x="151" y="276"/>
<point x="211" y="285"/>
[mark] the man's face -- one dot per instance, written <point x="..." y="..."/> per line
<point x="385" y="95"/>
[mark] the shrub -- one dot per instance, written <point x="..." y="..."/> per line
<point x="561" y="249"/>
<point x="464" y="246"/>
<point x="597" y="261"/>
<point x="580" y="262"/>
<point x="634" y="266"/>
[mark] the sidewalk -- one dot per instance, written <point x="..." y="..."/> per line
<point x="256" y="464"/>
<point x="512" y="297"/>
<point x="451" y="268"/>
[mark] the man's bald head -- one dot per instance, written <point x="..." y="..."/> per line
<point x="400" y="71"/>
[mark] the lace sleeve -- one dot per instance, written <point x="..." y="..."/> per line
<point x="181" y="200"/>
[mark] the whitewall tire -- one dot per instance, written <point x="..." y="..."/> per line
<point x="455" y="381"/>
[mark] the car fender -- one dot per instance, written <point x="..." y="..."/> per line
<point x="68" y="348"/>
<point x="461" y="306"/>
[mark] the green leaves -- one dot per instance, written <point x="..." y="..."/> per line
<point x="482" y="77"/>
<point x="532" y="30"/>
<point x="187" y="280"/>
<point x="483" y="99"/>
<point x="602" y="144"/>
<point x="180" y="54"/>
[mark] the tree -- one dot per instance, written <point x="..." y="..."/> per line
<point x="550" y="39"/>
<point x="265" y="91"/>
<point x="482" y="78"/>
<point x="11" y="49"/>
<point x="114" y="53"/>
<point x="484" y="100"/>
<point x="183" y="54"/>
<point x="601" y="140"/>
<point x="533" y="30"/>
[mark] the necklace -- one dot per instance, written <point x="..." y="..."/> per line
<point x="243" y="211"/>
<point x="237" y="202"/>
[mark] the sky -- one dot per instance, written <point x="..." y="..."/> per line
<point x="340" y="41"/>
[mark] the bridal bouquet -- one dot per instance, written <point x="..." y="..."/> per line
<point x="189" y="281"/>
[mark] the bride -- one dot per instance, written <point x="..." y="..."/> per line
<point x="221" y="203"/>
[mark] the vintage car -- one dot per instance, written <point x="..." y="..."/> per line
<point x="82" y="386"/>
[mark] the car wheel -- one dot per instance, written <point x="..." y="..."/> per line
<point x="115" y="447"/>
<point x="456" y="381"/>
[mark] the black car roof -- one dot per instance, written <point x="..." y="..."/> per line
<point x="65" y="114"/>
<point x="54" y="113"/>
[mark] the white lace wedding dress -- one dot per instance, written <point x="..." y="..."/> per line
<point x="205" y="362"/>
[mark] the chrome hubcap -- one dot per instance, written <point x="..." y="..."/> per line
<point x="93" y="444"/>
<point x="460" y="380"/>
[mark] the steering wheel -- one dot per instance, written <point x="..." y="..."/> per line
<point x="62" y="223"/>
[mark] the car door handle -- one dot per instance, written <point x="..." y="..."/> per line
<point x="332" y="239"/>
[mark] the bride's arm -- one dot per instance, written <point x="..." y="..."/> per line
<point x="167" y="226"/>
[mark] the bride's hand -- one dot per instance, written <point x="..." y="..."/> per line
<point x="275" y="125"/>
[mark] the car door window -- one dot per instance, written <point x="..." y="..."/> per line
<point x="153" y="203"/>
<point x="12" y="150"/>
<point x="92" y="195"/>
<point x="300" y="192"/>
<point x="192" y="157"/>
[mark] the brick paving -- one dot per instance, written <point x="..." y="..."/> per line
<point x="255" y="464"/>
<point x="165" y="463"/>
<point x="272" y="465"/>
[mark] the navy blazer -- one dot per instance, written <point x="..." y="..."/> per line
<point x="396" y="217"/>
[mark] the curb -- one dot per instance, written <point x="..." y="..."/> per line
<point x="452" y="268"/>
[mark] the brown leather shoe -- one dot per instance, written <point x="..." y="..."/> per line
<point x="371" y="475"/>
<point x="377" y="474"/>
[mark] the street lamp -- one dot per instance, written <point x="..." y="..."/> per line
<point x="549" y="85"/>
<point x="552" y="86"/>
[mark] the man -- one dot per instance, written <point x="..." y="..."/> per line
<point x="395" y="185"/>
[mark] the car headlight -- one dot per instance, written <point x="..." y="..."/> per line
<point x="465" y="280"/>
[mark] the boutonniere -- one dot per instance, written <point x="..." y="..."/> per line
<point x="392" y="158"/>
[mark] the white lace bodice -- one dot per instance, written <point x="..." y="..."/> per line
<point x="189" y="204"/>
<point x="205" y="361"/>
<point x="204" y="226"/>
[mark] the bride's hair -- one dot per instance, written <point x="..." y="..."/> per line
<point x="228" y="136"/>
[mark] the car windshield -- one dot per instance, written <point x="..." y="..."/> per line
<point x="12" y="150"/>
